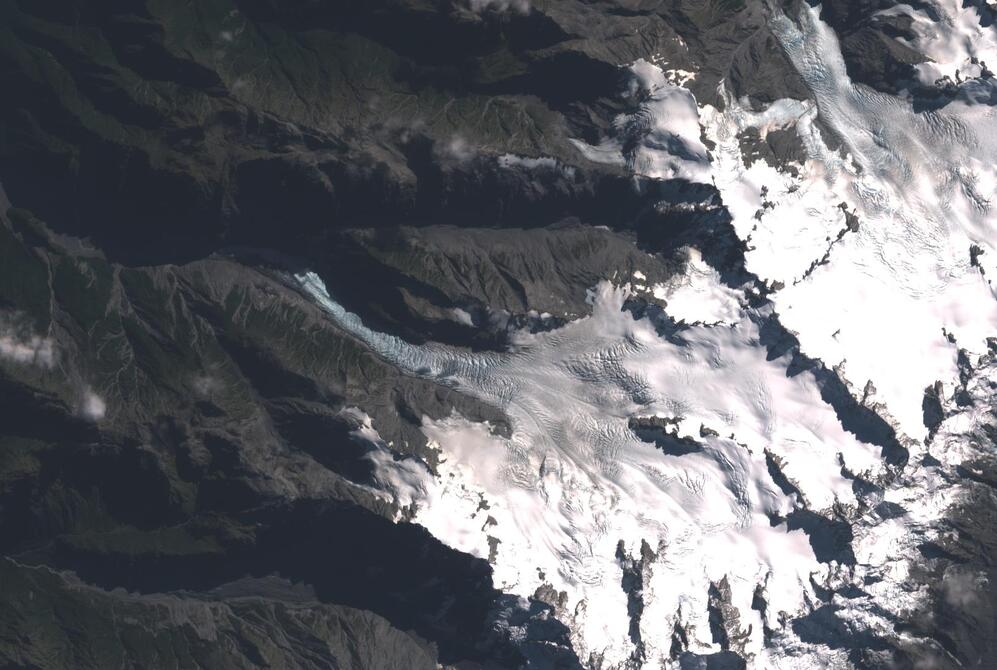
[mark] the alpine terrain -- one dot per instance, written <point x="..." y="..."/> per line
<point x="551" y="334"/>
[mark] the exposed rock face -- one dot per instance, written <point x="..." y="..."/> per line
<point x="61" y="622"/>
<point x="724" y="619"/>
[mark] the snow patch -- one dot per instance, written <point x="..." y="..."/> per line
<point x="675" y="76"/>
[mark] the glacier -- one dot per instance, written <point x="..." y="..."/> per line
<point x="865" y="254"/>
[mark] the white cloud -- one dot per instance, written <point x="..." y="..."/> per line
<point x="92" y="406"/>
<point x="542" y="163"/>
<point x="32" y="350"/>
<point x="518" y="6"/>
<point x="963" y="589"/>
<point x="459" y="149"/>
<point x="463" y="316"/>
<point x="662" y="139"/>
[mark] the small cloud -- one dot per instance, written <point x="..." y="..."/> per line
<point x="962" y="589"/>
<point x="406" y="128"/>
<point x="928" y="662"/>
<point x="26" y="350"/>
<point x="459" y="149"/>
<point x="543" y="163"/>
<point x="36" y="350"/>
<point x="205" y="385"/>
<point x="462" y="316"/>
<point x="92" y="406"/>
<point x="518" y="6"/>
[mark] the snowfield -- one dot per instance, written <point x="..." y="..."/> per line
<point x="574" y="487"/>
